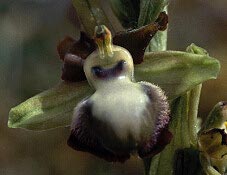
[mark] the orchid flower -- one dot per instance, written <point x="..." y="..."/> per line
<point x="179" y="74"/>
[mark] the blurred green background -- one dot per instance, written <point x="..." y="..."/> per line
<point x="29" y="64"/>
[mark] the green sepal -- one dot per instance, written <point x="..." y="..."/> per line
<point x="149" y="11"/>
<point x="49" y="109"/>
<point x="176" y="72"/>
<point x="91" y="14"/>
<point x="127" y="12"/>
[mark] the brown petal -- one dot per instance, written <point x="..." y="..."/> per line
<point x="73" y="68"/>
<point x="136" y="41"/>
<point x="64" y="46"/>
<point x="72" y="52"/>
<point x="82" y="48"/>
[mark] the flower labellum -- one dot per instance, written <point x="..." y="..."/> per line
<point x="122" y="116"/>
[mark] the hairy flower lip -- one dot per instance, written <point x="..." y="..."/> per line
<point x="135" y="41"/>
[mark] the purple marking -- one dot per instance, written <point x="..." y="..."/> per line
<point x="103" y="73"/>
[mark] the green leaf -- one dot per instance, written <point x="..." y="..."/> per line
<point x="91" y="14"/>
<point x="49" y="109"/>
<point x="176" y="72"/>
<point x="158" y="42"/>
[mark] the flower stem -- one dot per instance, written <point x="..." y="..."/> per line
<point x="193" y="112"/>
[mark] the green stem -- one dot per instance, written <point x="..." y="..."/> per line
<point x="193" y="112"/>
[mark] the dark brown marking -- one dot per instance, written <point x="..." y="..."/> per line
<point x="72" y="52"/>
